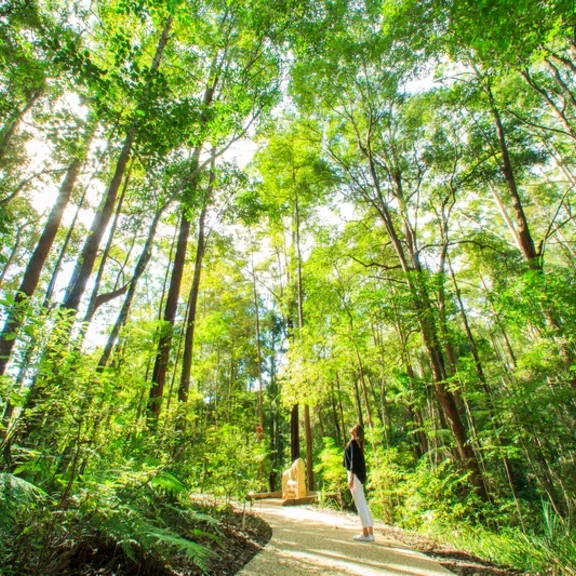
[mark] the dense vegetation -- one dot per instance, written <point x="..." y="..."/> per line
<point x="179" y="315"/>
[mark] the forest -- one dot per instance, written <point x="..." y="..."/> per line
<point x="231" y="229"/>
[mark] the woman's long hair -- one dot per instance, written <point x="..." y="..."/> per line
<point x="358" y="431"/>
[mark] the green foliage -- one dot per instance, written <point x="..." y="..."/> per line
<point x="549" y="546"/>
<point x="379" y="241"/>
<point x="331" y="470"/>
<point x="233" y="463"/>
<point x="147" y="516"/>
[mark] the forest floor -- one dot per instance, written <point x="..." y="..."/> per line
<point x="237" y="539"/>
<point x="310" y="541"/>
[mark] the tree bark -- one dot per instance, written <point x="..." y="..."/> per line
<point x="12" y="256"/>
<point x="294" y="437"/>
<point x="300" y="293"/>
<point x="94" y="297"/>
<point x="127" y="304"/>
<point x="416" y="283"/>
<point x="344" y="435"/>
<point x="12" y="126"/>
<point x="36" y="263"/>
<point x="165" y="343"/>
<point x="525" y="239"/>
<point x="87" y="258"/>
<point x="339" y="435"/>
<point x="258" y="349"/>
<point x="358" y="402"/>
<point x="190" y="322"/>
<point x="309" y="464"/>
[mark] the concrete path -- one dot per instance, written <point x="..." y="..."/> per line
<point x="309" y="541"/>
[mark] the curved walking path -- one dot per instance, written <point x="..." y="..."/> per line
<point x="306" y="541"/>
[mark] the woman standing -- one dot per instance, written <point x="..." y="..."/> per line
<point x="356" y="465"/>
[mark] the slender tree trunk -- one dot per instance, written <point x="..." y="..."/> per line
<point x="358" y="402"/>
<point x="558" y="111"/>
<point x="344" y="435"/>
<point x="364" y="389"/>
<point x="190" y="323"/>
<point x="300" y="291"/>
<point x="500" y="324"/>
<point x="193" y="298"/>
<point x="94" y="297"/>
<point x="12" y="256"/>
<point x="165" y="342"/>
<point x="181" y="337"/>
<point x="386" y="420"/>
<point x="294" y="434"/>
<point x="335" y="415"/>
<point x="321" y="421"/>
<point x="467" y="329"/>
<point x="425" y="315"/>
<point x="87" y="258"/>
<point x="166" y="275"/>
<point x="127" y="304"/>
<point x="57" y="267"/>
<point x="12" y="125"/>
<point x="309" y="464"/>
<point x="36" y="263"/>
<point x="52" y="284"/>
<point x="362" y="378"/>
<point x="258" y="348"/>
<point x="523" y="230"/>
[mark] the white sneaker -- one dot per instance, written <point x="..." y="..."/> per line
<point x="362" y="538"/>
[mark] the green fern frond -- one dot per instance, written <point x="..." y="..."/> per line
<point x="168" y="483"/>
<point x="19" y="490"/>
<point x="195" y="552"/>
<point x="130" y="530"/>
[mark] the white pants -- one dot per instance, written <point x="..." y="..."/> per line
<point x="360" y="501"/>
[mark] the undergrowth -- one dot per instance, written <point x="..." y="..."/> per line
<point x="550" y="548"/>
<point x="439" y="503"/>
<point x="144" y="523"/>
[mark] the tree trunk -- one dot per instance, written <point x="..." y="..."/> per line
<point x="308" y="428"/>
<point x="93" y="298"/>
<point x="523" y="231"/>
<point x="190" y="322"/>
<point x="165" y="343"/>
<point x="193" y="298"/>
<point x="36" y="263"/>
<point x="258" y="348"/>
<point x="12" y="256"/>
<point x="335" y="415"/>
<point x="52" y="284"/>
<point x="344" y="435"/>
<point x="87" y="258"/>
<point x="294" y="437"/>
<point x="300" y="292"/>
<point x="12" y="126"/>
<point x="425" y="315"/>
<point x="125" y="310"/>
<point x="358" y="402"/>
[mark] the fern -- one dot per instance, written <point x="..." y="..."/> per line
<point x="16" y="494"/>
<point x="167" y="483"/>
<point x="135" y="534"/>
<point x="195" y="552"/>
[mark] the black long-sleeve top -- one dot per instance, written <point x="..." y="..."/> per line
<point x="354" y="460"/>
